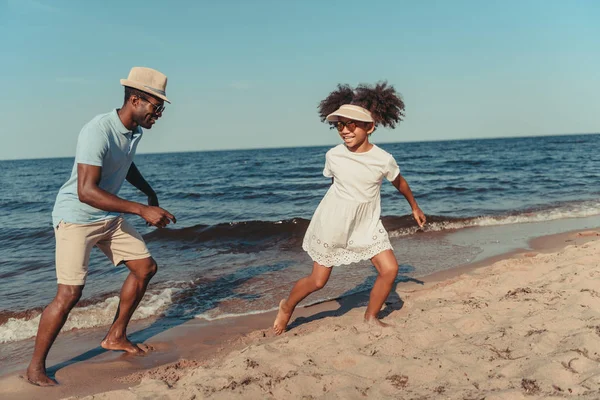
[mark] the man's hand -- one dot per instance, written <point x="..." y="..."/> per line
<point x="157" y="216"/>
<point x="152" y="201"/>
<point x="419" y="216"/>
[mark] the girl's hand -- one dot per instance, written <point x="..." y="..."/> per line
<point x="419" y="216"/>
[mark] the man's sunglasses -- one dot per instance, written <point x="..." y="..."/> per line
<point x="158" y="108"/>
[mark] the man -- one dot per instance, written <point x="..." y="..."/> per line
<point x="87" y="213"/>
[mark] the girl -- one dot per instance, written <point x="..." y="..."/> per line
<point x="346" y="226"/>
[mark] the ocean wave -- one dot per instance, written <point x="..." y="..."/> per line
<point x="253" y="233"/>
<point x="244" y="230"/>
<point x="26" y="205"/>
<point x="439" y="223"/>
<point x="94" y="315"/>
<point x="27" y="234"/>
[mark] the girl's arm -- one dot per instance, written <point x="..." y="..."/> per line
<point x="402" y="186"/>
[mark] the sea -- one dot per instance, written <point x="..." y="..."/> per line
<point x="241" y="216"/>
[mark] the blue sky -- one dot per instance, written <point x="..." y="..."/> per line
<point x="249" y="74"/>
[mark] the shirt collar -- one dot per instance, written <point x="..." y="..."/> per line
<point x="119" y="127"/>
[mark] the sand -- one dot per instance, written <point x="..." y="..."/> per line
<point x="524" y="327"/>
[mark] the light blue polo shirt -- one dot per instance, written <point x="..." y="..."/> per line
<point x="106" y="143"/>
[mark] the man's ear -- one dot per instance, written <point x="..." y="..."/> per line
<point x="134" y="100"/>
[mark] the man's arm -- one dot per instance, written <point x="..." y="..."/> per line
<point x="134" y="176"/>
<point x="88" y="177"/>
<point x="402" y="186"/>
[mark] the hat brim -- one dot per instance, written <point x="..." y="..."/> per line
<point x="351" y="114"/>
<point x="145" y="89"/>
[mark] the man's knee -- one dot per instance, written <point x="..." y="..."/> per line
<point x="68" y="295"/>
<point x="152" y="269"/>
<point x="146" y="268"/>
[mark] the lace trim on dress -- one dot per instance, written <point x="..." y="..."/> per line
<point x="342" y="256"/>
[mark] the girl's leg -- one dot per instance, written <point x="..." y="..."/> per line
<point x="305" y="286"/>
<point x="387" y="268"/>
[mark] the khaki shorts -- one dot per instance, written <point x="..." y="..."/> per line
<point x="115" y="237"/>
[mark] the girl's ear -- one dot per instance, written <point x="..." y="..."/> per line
<point x="371" y="128"/>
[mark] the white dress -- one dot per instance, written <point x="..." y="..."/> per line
<point x="346" y="226"/>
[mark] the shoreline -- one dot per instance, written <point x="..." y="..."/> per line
<point x="177" y="348"/>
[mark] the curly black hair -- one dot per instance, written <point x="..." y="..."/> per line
<point x="342" y="95"/>
<point x="382" y="100"/>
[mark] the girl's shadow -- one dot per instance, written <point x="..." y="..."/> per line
<point x="359" y="297"/>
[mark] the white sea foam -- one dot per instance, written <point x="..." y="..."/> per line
<point x="577" y="210"/>
<point x="214" y="315"/>
<point x="99" y="314"/>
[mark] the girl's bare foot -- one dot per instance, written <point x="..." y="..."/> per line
<point x="38" y="377"/>
<point x="283" y="317"/>
<point x="122" y="345"/>
<point x="376" y="322"/>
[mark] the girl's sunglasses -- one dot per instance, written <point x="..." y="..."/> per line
<point x="340" y="125"/>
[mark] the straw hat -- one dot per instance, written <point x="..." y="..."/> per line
<point x="351" y="111"/>
<point x="147" y="80"/>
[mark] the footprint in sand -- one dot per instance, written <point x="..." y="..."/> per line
<point x="588" y="233"/>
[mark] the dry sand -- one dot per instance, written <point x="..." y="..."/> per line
<point x="526" y="327"/>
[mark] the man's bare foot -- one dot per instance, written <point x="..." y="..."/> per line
<point x="38" y="377"/>
<point x="122" y="345"/>
<point x="376" y="322"/>
<point x="283" y="317"/>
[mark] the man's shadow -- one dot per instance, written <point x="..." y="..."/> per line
<point x="217" y="290"/>
<point x="359" y="297"/>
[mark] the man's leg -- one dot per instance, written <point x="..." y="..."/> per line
<point x="141" y="271"/>
<point x="73" y="245"/>
<point x="52" y="320"/>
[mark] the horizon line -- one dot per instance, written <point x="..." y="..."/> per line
<point x="324" y="145"/>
